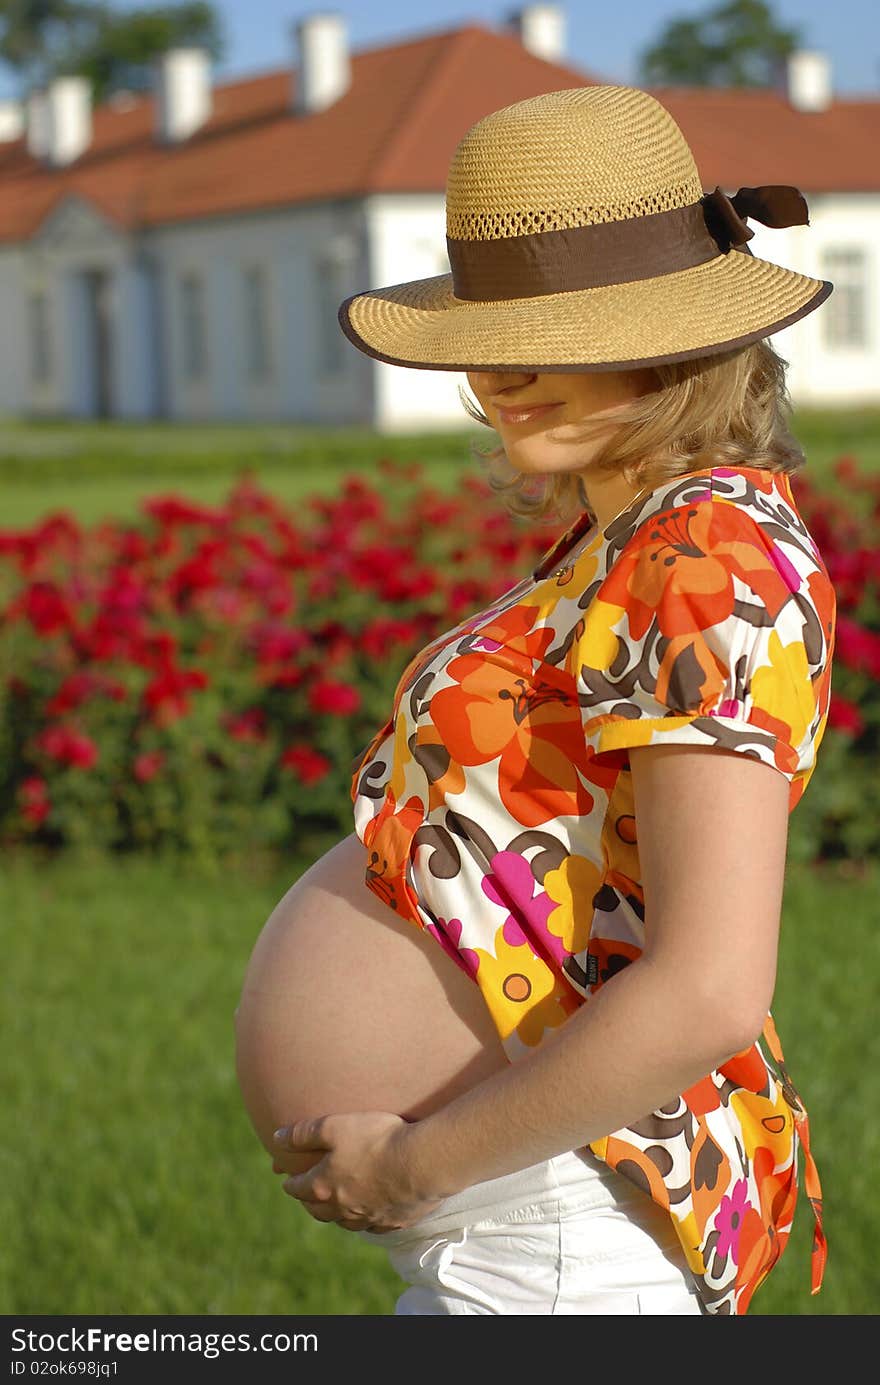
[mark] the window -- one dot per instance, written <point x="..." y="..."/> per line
<point x="334" y="278"/>
<point x="256" y="324"/>
<point x="330" y="293"/>
<point x="844" y="317"/>
<point x="195" y="347"/>
<point x="40" y="342"/>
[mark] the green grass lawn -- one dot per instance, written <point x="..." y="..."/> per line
<point x="105" y="470"/>
<point x="132" y="1183"/>
<point x="100" y="471"/>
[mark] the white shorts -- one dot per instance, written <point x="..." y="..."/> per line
<point x="568" y="1236"/>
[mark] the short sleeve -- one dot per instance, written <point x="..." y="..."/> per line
<point x="710" y="629"/>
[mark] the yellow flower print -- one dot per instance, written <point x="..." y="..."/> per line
<point x="400" y="758"/>
<point x="572" y="886"/>
<point x="784" y="688"/>
<point x="582" y="571"/>
<point x="764" y="1124"/>
<point x="521" y="991"/>
<point x="599" y="642"/>
<point x="689" y="1236"/>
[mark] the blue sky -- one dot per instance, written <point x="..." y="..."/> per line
<point x="258" y="31"/>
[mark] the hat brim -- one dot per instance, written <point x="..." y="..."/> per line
<point x="726" y="302"/>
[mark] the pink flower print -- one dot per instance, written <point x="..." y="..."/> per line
<point x="729" y="1219"/>
<point x="786" y="570"/>
<point x="448" y="935"/>
<point x="513" y="886"/>
<point x="730" y="707"/>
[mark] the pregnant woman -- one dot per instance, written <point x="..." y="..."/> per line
<point x="516" y="1025"/>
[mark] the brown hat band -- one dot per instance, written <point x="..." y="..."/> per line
<point x="618" y="252"/>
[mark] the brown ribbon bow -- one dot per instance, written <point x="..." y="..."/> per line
<point x="775" y="205"/>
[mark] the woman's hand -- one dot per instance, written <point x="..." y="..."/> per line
<point x="361" y="1179"/>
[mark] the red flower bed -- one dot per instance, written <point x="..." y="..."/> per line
<point x="842" y="818"/>
<point x="205" y="677"/>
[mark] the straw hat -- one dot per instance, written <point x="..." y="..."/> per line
<point x="580" y="238"/>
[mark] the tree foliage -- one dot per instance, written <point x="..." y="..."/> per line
<point x="115" y="49"/>
<point x="36" y="35"/>
<point x="739" y="43"/>
<point x="123" y="48"/>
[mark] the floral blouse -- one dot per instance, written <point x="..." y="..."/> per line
<point x="496" y="808"/>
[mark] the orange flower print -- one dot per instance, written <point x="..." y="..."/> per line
<point x="387" y="838"/>
<point x="763" y="1234"/>
<point x="501" y="709"/>
<point x="444" y="776"/>
<point x="680" y="568"/>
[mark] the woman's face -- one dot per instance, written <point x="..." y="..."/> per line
<point x="526" y="408"/>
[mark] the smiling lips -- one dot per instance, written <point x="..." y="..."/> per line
<point x="524" y="415"/>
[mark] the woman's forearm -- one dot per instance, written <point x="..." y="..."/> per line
<point x="635" y="1046"/>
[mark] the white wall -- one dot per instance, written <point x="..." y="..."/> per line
<point x="288" y="246"/>
<point x="820" y="374"/>
<point x="408" y="241"/>
<point x="379" y="241"/>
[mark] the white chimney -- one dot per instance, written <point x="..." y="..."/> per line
<point x="808" y="81"/>
<point x="11" y="121"/>
<point x="37" y="124"/>
<point x="69" y="118"/>
<point x="540" y="29"/>
<point x="183" y="93"/>
<point x="324" y="70"/>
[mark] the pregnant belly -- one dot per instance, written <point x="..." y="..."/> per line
<point x="346" y="1007"/>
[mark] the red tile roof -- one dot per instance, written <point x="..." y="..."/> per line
<point x="754" y="136"/>
<point x="395" y="129"/>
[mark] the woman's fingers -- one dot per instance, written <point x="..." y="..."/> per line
<point x="303" y="1135"/>
<point x="303" y="1187"/>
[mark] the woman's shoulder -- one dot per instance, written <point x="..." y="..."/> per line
<point x="737" y="516"/>
<point x="726" y="548"/>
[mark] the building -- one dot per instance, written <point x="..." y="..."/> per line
<point x="183" y="255"/>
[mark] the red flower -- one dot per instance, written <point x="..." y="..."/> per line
<point x="339" y="699"/>
<point x="148" y="764"/>
<point x="273" y="642"/>
<point x="46" y="608"/>
<point x="69" y="746"/>
<point x="286" y="678"/>
<point x="383" y="633"/>
<point x="225" y="602"/>
<point x="249" y="725"/>
<point x="856" y="647"/>
<point x="174" y="509"/>
<point x="845" y="716"/>
<point x="80" y="686"/>
<point x="334" y="641"/>
<point x="308" y="765"/>
<point x="166" y="694"/>
<point x="34" y="796"/>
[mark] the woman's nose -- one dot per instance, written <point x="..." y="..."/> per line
<point x="497" y="381"/>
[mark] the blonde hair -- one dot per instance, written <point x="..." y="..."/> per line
<point x="730" y="409"/>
